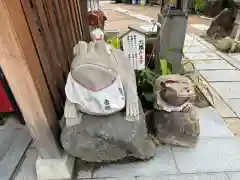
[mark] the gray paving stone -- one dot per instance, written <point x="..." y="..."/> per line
<point x="213" y="97"/>
<point x="133" y="178"/>
<point x="188" y="37"/>
<point x="221" y="75"/>
<point x="33" y="144"/>
<point x="210" y="155"/>
<point x="83" y="169"/>
<point x="16" y="151"/>
<point x="201" y="27"/>
<point x="6" y="141"/>
<point x="211" y="124"/>
<point x="235" y="55"/>
<point x="204" y="43"/>
<point x="188" y="43"/>
<point x="212" y="65"/>
<point x="233" y="175"/>
<point x="228" y="90"/>
<point x="203" y="56"/>
<point x="122" y="178"/>
<point x="12" y="123"/>
<point x="194" y="49"/>
<point x="234" y="125"/>
<point x="191" y="41"/>
<point x="163" y="163"/>
<point x="231" y="59"/>
<point x="26" y="170"/>
<point x="4" y="135"/>
<point x="234" y="105"/>
<point x="198" y="176"/>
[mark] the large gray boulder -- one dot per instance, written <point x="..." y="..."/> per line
<point x="213" y="7"/>
<point x="108" y="138"/>
<point x="177" y="128"/>
<point x="222" y="25"/>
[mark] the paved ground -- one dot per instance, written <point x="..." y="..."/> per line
<point x="216" y="156"/>
<point x="220" y="73"/>
<point x="14" y="140"/>
<point x="150" y="11"/>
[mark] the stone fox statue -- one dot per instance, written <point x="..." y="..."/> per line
<point x="175" y="118"/>
<point x="104" y="120"/>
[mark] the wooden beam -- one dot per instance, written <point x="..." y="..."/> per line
<point x="21" y="66"/>
<point x="84" y="15"/>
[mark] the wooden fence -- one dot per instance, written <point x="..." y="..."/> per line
<point x="36" y="42"/>
<point x="56" y="26"/>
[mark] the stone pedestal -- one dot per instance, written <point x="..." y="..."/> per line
<point x="55" y="169"/>
<point x="172" y="35"/>
<point x="108" y="138"/>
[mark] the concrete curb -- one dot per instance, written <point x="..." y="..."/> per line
<point x="205" y="17"/>
<point x="225" y="56"/>
<point x="211" y="95"/>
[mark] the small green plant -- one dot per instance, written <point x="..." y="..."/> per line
<point x="165" y="67"/>
<point x="145" y="82"/>
<point x="114" y="41"/>
<point x="146" y="79"/>
<point x="199" y="6"/>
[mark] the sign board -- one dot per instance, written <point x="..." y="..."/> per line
<point x="134" y="49"/>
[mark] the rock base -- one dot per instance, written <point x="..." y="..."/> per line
<point x="108" y="138"/>
<point x="177" y="128"/>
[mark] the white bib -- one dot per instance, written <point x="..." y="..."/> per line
<point x="104" y="102"/>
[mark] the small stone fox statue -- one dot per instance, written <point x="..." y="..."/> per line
<point x="175" y="119"/>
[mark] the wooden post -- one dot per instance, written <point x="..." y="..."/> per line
<point x="21" y="66"/>
<point x="84" y="15"/>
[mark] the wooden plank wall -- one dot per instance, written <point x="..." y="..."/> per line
<point x="56" y="26"/>
<point x="22" y="68"/>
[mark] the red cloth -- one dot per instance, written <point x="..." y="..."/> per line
<point x="5" y="104"/>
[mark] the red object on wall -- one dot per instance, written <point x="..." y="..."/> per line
<point x="96" y="19"/>
<point x="5" y="104"/>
